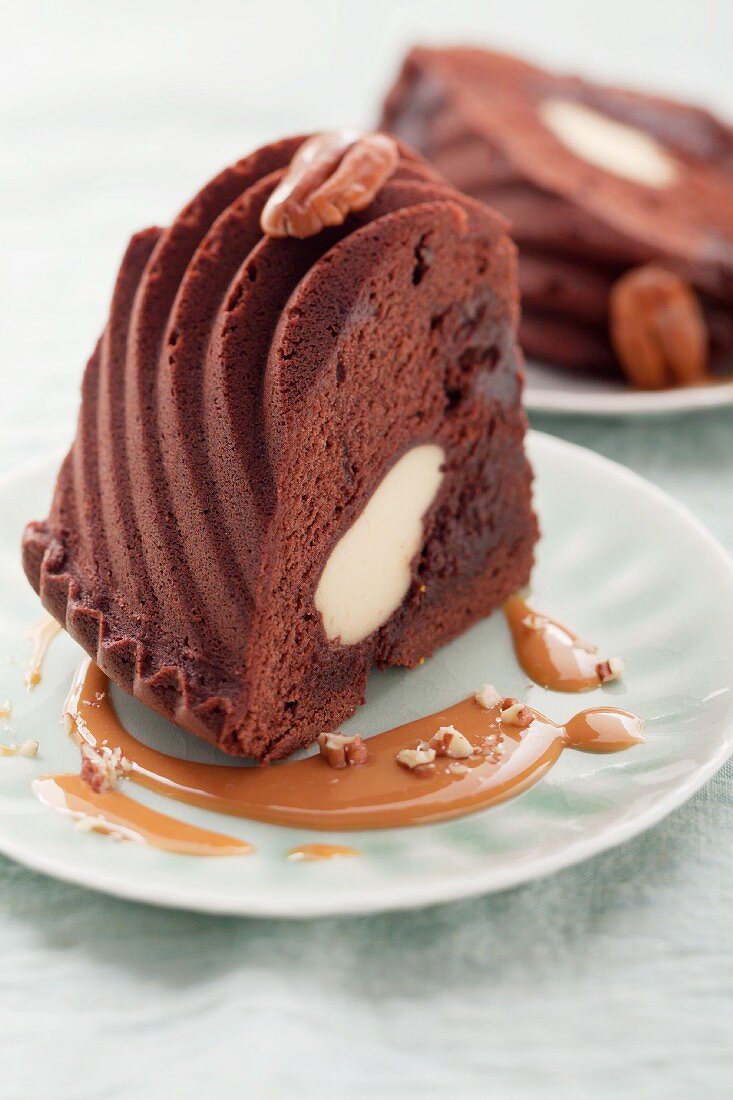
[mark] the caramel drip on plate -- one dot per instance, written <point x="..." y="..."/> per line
<point x="309" y="853"/>
<point x="117" y="815"/>
<point x="379" y="794"/>
<point x="41" y="635"/>
<point x="551" y="654"/>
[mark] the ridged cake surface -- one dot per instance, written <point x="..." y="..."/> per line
<point x="246" y="398"/>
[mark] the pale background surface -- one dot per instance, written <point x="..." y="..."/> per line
<point x="612" y="979"/>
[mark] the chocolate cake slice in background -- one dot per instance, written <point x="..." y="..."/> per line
<point x="295" y="458"/>
<point x="596" y="181"/>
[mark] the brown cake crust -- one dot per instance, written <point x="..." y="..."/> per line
<point x="246" y="398"/>
<point x="476" y="115"/>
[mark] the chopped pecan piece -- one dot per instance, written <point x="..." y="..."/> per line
<point x="514" y="713"/>
<point x="416" y="759"/>
<point x="609" y="670"/>
<point x="487" y="696"/>
<point x="98" y="771"/>
<point x="341" y="751"/>
<point x="449" y="741"/>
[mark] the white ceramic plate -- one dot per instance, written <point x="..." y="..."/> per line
<point x="619" y="560"/>
<point x="551" y="389"/>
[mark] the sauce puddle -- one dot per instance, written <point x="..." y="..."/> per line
<point x="379" y="794"/>
<point x="41" y="635"/>
<point x="550" y="653"/>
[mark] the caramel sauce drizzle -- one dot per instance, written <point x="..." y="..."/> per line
<point x="379" y="794"/>
<point x="117" y="815"/>
<point x="41" y="635"/>
<point x="309" y="853"/>
<point x="550" y="653"/>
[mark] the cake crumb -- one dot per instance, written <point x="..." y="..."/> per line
<point x="116" y="759"/>
<point x="6" y="710"/>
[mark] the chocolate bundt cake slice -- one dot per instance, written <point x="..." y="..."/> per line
<point x="597" y="182"/>
<point x="300" y="446"/>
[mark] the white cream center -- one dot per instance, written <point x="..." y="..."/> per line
<point x="613" y="146"/>
<point x="367" y="576"/>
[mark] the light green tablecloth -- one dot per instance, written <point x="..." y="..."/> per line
<point x="611" y="979"/>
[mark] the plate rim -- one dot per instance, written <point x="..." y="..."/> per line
<point x="414" y="895"/>
<point x="628" y="403"/>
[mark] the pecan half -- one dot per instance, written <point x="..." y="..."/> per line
<point x="330" y="176"/>
<point x="658" y="329"/>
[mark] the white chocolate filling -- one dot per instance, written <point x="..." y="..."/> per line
<point x="367" y="575"/>
<point x="613" y="146"/>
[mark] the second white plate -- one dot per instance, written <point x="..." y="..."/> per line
<point x="551" y="389"/>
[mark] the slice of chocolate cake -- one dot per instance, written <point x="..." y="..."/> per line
<point x="597" y="182"/>
<point x="300" y="447"/>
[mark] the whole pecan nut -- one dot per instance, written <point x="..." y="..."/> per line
<point x="657" y="327"/>
<point x="330" y="176"/>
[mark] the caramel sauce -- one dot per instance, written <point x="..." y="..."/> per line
<point x="123" y="817"/>
<point x="550" y="653"/>
<point x="41" y="635"/>
<point x="310" y="853"/>
<point x="379" y="794"/>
